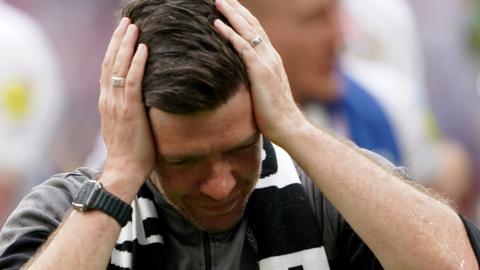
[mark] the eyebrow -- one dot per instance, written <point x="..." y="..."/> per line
<point x="179" y="157"/>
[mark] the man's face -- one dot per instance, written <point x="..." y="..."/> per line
<point x="306" y="35"/>
<point x="208" y="163"/>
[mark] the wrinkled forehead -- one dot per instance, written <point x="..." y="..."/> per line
<point x="225" y="126"/>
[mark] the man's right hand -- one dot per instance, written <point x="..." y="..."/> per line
<point x="130" y="160"/>
<point x="125" y="127"/>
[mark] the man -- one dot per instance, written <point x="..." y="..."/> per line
<point x="337" y="94"/>
<point x="214" y="198"/>
<point x="31" y="102"/>
<point x="329" y="97"/>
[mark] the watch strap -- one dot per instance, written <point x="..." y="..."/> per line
<point x="113" y="206"/>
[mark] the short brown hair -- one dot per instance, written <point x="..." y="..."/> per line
<point x="190" y="67"/>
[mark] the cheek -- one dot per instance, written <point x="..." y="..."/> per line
<point x="247" y="164"/>
<point x="302" y="65"/>
<point x="177" y="182"/>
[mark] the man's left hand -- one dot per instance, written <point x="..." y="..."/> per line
<point x="276" y="113"/>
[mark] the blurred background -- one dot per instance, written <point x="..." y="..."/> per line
<point x="446" y="63"/>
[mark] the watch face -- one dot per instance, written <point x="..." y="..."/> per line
<point x="86" y="195"/>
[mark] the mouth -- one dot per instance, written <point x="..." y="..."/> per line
<point x="328" y="66"/>
<point x="329" y="62"/>
<point x="222" y="208"/>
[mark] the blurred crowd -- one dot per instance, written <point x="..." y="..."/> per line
<point x="418" y="63"/>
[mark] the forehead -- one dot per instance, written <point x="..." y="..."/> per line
<point x="204" y="132"/>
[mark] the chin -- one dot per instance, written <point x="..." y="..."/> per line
<point x="216" y="223"/>
<point x="325" y="90"/>
<point x="219" y="226"/>
<point x="221" y="223"/>
<point x="319" y="87"/>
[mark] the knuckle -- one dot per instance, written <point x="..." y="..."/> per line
<point x="117" y="35"/>
<point x="277" y="61"/>
<point x="131" y="82"/>
<point x="242" y="45"/>
<point x="264" y="72"/>
<point x="244" y="48"/>
<point x="103" y="82"/>
<point x="123" y="112"/>
<point x="127" y="113"/>
<point x="248" y="54"/>
<point x="101" y="99"/>
<point x="113" y="111"/>
<point x="230" y="34"/>
<point x="117" y="70"/>
<point x="251" y="33"/>
<point x="254" y="21"/>
<point x="107" y="62"/>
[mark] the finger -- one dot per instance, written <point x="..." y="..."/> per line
<point x="250" y="31"/>
<point x="248" y="16"/>
<point x="125" y="53"/>
<point x="112" y="51"/>
<point x="133" y="90"/>
<point x="243" y="48"/>
<point x="237" y="21"/>
<point x="122" y="65"/>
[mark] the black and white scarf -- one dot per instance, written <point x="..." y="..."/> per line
<point x="282" y="229"/>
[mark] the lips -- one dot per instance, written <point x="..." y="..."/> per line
<point x="221" y="208"/>
<point x="327" y="66"/>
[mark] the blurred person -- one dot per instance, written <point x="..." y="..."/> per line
<point x="31" y="97"/>
<point x="383" y="52"/>
<point x="329" y="96"/>
<point x="218" y="104"/>
<point x="334" y="95"/>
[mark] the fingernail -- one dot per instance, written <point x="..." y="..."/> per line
<point x="123" y="21"/>
<point x="130" y="28"/>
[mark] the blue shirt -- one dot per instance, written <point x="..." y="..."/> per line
<point x="366" y="122"/>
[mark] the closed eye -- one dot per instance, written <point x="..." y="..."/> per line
<point x="245" y="148"/>
<point x="181" y="162"/>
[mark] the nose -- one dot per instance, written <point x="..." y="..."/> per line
<point x="332" y="30"/>
<point x="220" y="182"/>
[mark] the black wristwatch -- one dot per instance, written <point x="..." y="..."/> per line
<point x="92" y="196"/>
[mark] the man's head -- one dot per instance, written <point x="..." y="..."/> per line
<point x="208" y="145"/>
<point x="190" y="67"/>
<point x="306" y="35"/>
